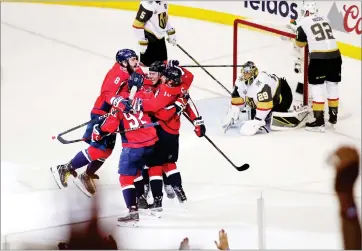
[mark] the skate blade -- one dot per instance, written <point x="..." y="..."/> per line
<point x="56" y="177"/>
<point x="316" y="129"/>
<point x="127" y="224"/>
<point x="80" y="186"/>
<point x="151" y="212"/>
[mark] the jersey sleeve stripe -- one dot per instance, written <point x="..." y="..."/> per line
<point x="237" y="101"/>
<point x="265" y="105"/>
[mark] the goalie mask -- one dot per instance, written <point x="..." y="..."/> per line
<point x="248" y="73"/>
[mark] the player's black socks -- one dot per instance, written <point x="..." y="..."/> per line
<point x="146" y="176"/>
<point x="175" y="180"/>
<point x="165" y="179"/>
<point x="93" y="167"/>
<point x="156" y="188"/>
<point x="140" y="188"/>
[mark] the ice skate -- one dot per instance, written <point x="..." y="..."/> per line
<point x="180" y="193"/>
<point x="142" y="202"/>
<point x="131" y="219"/>
<point x="61" y="174"/>
<point x="317" y="125"/>
<point x="169" y="192"/>
<point x="147" y="191"/>
<point x="86" y="183"/>
<point x="156" y="206"/>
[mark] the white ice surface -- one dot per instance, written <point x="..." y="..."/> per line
<point x="53" y="60"/>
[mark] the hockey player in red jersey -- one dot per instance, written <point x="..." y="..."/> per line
<point x="137" y="145"/>
<point x="171" y="96"/>
<point x="94" y="156"/>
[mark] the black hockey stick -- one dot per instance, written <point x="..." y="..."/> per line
<point x="59" y="137"/>
<point x="211" y="66"/>
<point x="239" y="168"/>
<point x="64" y="141"/>
<point x="202" y="67"/>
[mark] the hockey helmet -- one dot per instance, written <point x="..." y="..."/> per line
<point x="248" y="72"/>
<point x="172" y="74"/>
<point x="157" y="66"/>
<point x="309" y="8"/>
<point x="125" y="54"/>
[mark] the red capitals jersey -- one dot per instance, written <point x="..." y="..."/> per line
<point x="114" y="83"/>
<point x="166" y="96"/>
<point x="141" y="137"/>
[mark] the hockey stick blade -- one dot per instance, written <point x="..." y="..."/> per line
<point x="238" y="168"/>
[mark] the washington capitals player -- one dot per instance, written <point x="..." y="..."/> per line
<point x="151" y="26"/>
<point x="137" y="145"/>
<point x="171" y="95"/>
<point x="98" y="151"/>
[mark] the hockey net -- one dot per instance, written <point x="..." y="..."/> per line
<point x="263" y="44"/>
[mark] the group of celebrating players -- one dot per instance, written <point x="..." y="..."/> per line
<point x="146" y="109"/>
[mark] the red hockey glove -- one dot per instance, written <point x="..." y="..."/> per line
<point x="200" y="128"/>
<point x="97" y="133"/>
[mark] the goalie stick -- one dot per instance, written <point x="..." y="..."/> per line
<point x="241" y="168"/>
<point x="59" y="136"/>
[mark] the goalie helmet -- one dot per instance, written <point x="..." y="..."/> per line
<point x="248" y="72"/>
<point x="309" y="8"/>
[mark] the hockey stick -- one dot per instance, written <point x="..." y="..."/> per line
<point x="64" y="141"/>
<point x="239" y="168"/>
<point x="211" y="66"/>
<point x="208" y="73"/>
<point x="100" y="118"/>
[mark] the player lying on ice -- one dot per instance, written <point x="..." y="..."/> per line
<point x="260" y="94"/>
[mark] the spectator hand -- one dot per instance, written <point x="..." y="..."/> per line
<point x="223" y="241"/>
<point x="184" y="245"/>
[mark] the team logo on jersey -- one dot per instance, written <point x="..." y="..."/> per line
<point x="163" y="19"/>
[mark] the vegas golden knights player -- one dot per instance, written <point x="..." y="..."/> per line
<point x="151" y="26"/>
<point x="325" y="64"/>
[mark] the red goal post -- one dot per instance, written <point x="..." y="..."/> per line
<point x="240" y="23"/>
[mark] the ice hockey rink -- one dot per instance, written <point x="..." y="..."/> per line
<point x="53" y="61"/>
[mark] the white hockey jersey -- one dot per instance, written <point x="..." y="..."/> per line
<point x="262" y="94"/>
<point x="317" y="33"/>
<point x="152" y="16"/>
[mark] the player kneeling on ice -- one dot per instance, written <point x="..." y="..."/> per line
<point x="138" y="139"/>
<point x="261" y="93"/>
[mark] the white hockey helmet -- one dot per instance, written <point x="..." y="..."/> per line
<point x="309" y="8"/>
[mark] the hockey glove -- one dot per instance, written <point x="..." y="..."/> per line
<point x="143" y="44"/>
<point x="200" y="128"/>
<point x="173" y="63"/>
<point x="172" y="36"/>
<point x="181" y="104"/>
<point x="135" y="79"/>
<point x="251" y="127"/>
<point x="97" y="133"/>
<point x="115" y="101"/>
